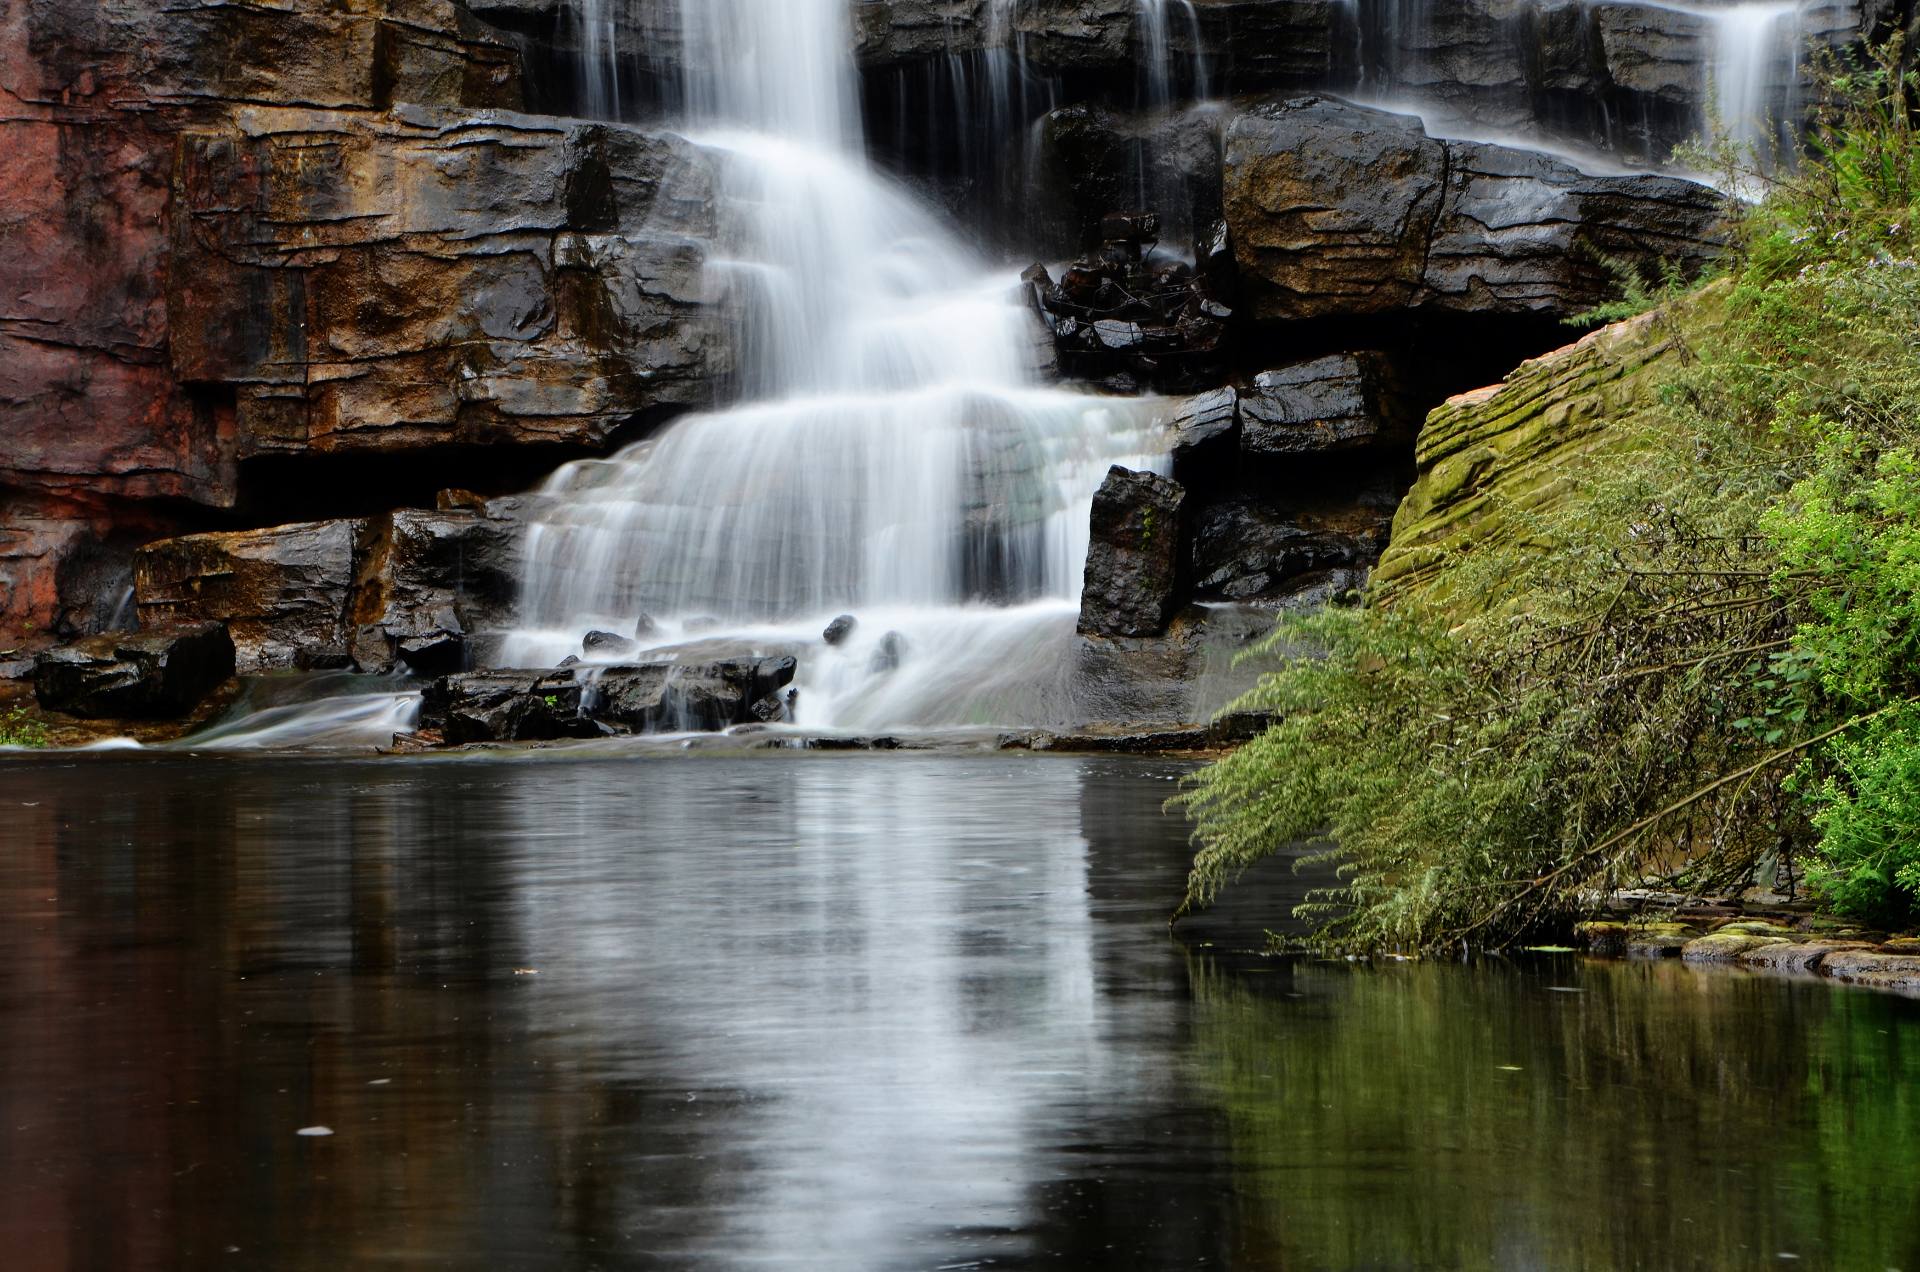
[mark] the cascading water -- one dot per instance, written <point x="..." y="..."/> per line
<point x="599" y="57"/>
<point x="1756" y="72"/>
<point x="890" y="456"/>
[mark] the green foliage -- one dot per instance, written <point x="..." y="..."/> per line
<point x="19" y="729"/>
<point x="1705" y="657"/>
<point x="1639" y="294"/>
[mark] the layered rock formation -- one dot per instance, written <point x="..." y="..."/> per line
<point x="1340" y="211"/>
<point x="1490" y="458"/>
<point x="246" y="234"/>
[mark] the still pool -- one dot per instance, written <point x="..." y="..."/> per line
<point x="848" y="1012"/>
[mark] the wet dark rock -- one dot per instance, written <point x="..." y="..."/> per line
<point x="607" y="643"/>
<point x="1343" y="402"/>
<point x="1135" y="558"/>
<point x="1124" y="321"/>
<point x="436" y="653"/>
<point x="427" y="582"/>
<point x="687" y="697"/>
<point x="1249" y="548"/>
<point x="839" y="629"/>
<point x="891" y="652"/>
<point x="507" y="706"/>
<point x="281" y="592"/>
<point x="128" y="675"/>
<point x="1206" y="431"/>
<point x="1339" y="210"/>
<point x="644" y="626"/>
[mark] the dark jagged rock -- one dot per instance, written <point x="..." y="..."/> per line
<point x="427" y="582"/>
<point x="1344" y="211"/>
<point x="577" y="702"/>
<point x="607" y="643"/>
<point x="1121" y="319"/>
<point x="839" y="629"/>
<point x="1134" y="560"/>
<point x="1343" y="402"/>
<point x="1246" y="548"/>
<point x="135" y="675"/>
<point x="1206" y="434"/>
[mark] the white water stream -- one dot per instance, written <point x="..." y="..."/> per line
<point x="891" y="456"/>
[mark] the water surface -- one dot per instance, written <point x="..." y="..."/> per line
<point x="847" y="1012"/>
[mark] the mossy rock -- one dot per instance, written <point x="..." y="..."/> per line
<point x="1725" y="947"/>
<point x="1491" y="460"/>
<point x="1657" y="944"/>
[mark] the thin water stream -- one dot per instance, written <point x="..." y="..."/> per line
<point x="892" y="1013"/>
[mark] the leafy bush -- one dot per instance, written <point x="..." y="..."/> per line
<point x="19" y="729"/>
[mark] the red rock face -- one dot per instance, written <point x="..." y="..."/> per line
<point x="233" y="231"/>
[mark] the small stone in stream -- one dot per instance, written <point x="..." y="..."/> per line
<point x="771" y="709"/>
<point x="644" y="626"/>
<point x="839" y="629"/>
<point x="571" y="660"/>
<point x="607" y="643"/>
<point x="892" y="652"/>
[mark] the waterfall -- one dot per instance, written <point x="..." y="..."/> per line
<point x="599" y="57"/>
<point x="1160" y="67"/>
<point x="890" y="455"/>
<point x="1755" y="53"/>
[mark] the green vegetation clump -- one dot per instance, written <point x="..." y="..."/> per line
<point x="1696" y="663"/>
<point x="18" y="729"/>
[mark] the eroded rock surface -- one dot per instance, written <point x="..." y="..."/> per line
<point x="135" y="675"/>
<point x="1344" y="211"/>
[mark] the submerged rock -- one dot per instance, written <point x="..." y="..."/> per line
<point x="839" y="629"/>
<point x="890" y="654"/>
<point x="1134" y="559"/>
<point x="606" y="643"/>
<point x="135" y="675"/>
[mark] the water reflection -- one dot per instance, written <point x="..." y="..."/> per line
<point x="845" y="1012"/>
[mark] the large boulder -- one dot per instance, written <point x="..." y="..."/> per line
<point x="153" y="675"/>
<point x="1343" y="211"/>
<point x="411" y="588"/>
<point x="1134" y="559"/>
<point x="1250" y="548"/>
<point x="1343" y="402"/>
<point x="285" y="593"/>
<point x="431" y="581"/>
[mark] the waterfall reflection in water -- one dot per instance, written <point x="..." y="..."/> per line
<point x="847" y="1012"/>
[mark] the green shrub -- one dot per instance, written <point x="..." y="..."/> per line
<point x="19" y="729"/>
